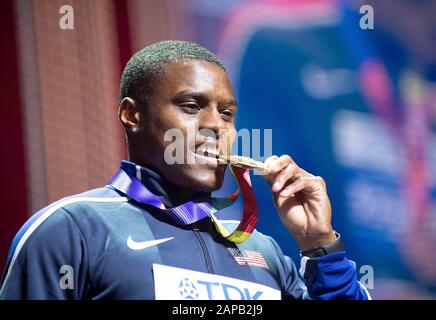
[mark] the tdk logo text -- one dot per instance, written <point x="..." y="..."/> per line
<point x="189" y="289"/>
<point x="172" y="283"/>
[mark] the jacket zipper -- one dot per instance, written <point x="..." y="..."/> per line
<point x="206" y="255"/>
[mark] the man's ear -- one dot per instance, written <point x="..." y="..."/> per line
<point x="129" y="115"/>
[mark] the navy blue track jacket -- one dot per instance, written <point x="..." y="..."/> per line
<point x="102" y="245"/>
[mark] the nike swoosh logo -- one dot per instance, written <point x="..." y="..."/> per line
<point x="134" y="245"/>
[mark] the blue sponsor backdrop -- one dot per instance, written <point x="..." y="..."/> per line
<point x="354" y="106"/>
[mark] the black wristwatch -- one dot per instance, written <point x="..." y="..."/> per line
<point x="336" y="246"/>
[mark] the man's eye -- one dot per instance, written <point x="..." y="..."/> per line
<point x="228" y="114"/>
<point x="190" y="107"/>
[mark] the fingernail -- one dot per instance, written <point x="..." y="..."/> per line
<point x="276" y="186"/>
<point x="285" y="192"/>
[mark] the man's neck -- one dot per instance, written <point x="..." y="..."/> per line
<point x="172" y="195"/>
<point x="179" y="195"/>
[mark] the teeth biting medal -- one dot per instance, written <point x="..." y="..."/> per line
<point x="244" y="162"/>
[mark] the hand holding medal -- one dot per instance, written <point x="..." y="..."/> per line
<point x="300" y="197"/>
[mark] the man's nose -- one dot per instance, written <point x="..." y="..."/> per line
<point x="213" y="121"/>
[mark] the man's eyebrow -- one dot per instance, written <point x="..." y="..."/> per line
<point x="193" y="94"/>
<point x="230" y="102"/>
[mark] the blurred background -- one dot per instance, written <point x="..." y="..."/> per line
<point x="355" y="106"/>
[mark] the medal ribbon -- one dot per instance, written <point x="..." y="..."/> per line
<point x="196" y="210"/>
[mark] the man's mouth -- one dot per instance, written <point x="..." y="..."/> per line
<point x="208" y="154"/>
<point x="208" y="151"/>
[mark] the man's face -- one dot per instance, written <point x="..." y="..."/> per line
<point x="194" y="96"/>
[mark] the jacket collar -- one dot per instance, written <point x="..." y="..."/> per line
<point x="155" y="183"/>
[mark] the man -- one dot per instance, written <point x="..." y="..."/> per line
<point x="152" y="232"/>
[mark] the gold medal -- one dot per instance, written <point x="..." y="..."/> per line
<point x="245" y="162"/>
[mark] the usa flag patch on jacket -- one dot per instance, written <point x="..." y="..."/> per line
<point x="249" y="258"/>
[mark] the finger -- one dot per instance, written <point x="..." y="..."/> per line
<point x="311" y="184"/>
<point x="269" y="160"/>
<point x="279" y="164"/>
<point x="276" y="165"/>
<point x="293" y="188"/>
<point x="268" y="163"/>
<point x="284" y="176"/>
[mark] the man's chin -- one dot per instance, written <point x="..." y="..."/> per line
<point x="204" y="180"/>
<point x="209" y="185"/>
<point x="196" y="178"/>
